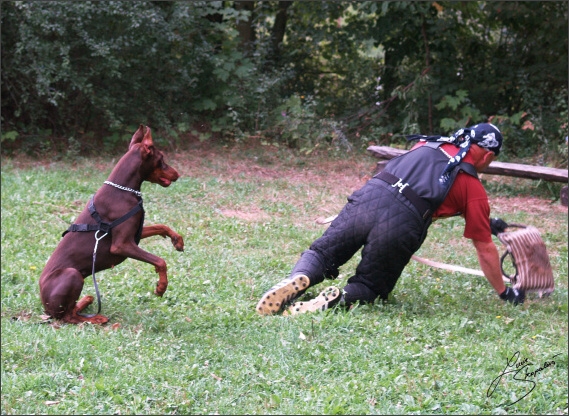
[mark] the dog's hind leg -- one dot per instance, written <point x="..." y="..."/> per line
<point x="60" y="290"/>
<point x="59" y="293"/>
<point x="84" y="302"/>
<point x="75" y="317"/>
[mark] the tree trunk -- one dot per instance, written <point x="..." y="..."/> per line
<point x="279" y="28"/>
<point x="245" y="27"/>
<point x="428" y="66"/>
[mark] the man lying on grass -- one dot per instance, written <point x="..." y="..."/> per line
<point x="390" y="215"/>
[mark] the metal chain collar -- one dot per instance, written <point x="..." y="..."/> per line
<point x="124" y="188"/>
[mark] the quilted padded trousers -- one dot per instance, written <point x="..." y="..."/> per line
<point x="390" y="229"/>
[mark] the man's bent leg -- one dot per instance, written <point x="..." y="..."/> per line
<point x="313" y="265"/>
<point x="398" y="233"/>
<point x="343" y="238"/>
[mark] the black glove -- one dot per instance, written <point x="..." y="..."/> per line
<point x="497" y="226"/>
<point x="513" y="295"/>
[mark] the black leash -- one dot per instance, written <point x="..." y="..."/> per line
<point x="93" y="274"/>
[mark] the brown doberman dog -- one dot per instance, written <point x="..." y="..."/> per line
<point x="107" y="232"/>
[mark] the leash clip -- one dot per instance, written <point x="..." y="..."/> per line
<point x="97" y="238"/>
<point x="399" y="184"/>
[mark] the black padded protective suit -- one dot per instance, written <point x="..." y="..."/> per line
<point x="389" y="228"/>
<point x="382" y="220"/>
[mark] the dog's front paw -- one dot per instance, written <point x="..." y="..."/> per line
<point x="178" y="242"/>
<point x="160" y="289"/>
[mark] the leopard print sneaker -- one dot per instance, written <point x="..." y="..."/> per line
<point x="276" y="298"/>
<point x="326" y="299"/>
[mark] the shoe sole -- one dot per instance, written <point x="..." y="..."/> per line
<point x="326" y="299"/>
<point x="275" y="298"/>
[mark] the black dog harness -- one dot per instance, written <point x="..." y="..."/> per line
<point x="105" y="228"/>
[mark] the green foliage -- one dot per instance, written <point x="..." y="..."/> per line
<point x="476" y="50"/>
<point x="461" y="108"/>
<point x="302" y="129"/>
<point x="90" y="69"/>
<point x="9" y="136"/>
<point x="99" y="66"/>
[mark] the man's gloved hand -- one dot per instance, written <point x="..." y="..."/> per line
<point x="497" y="226"/>
<point x="513" y="295"/>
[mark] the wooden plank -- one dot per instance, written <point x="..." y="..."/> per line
<point x="385" y="152"/>
<point x="496" y="168"/>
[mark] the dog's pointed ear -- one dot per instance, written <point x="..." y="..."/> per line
<point x="137" y="136"/>
<point x="147" y="142"/>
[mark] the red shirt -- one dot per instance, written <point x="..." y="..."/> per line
<point x="467" y="197"/>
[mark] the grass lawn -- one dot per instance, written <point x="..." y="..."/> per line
<point x="438" y="346"/>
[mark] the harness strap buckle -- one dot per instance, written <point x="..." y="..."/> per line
<point x="104" y="227"/>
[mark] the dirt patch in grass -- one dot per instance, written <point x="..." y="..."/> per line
<point x="254" y="214"/>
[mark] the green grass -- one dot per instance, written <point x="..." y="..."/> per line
<point x="435" y="347"/>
